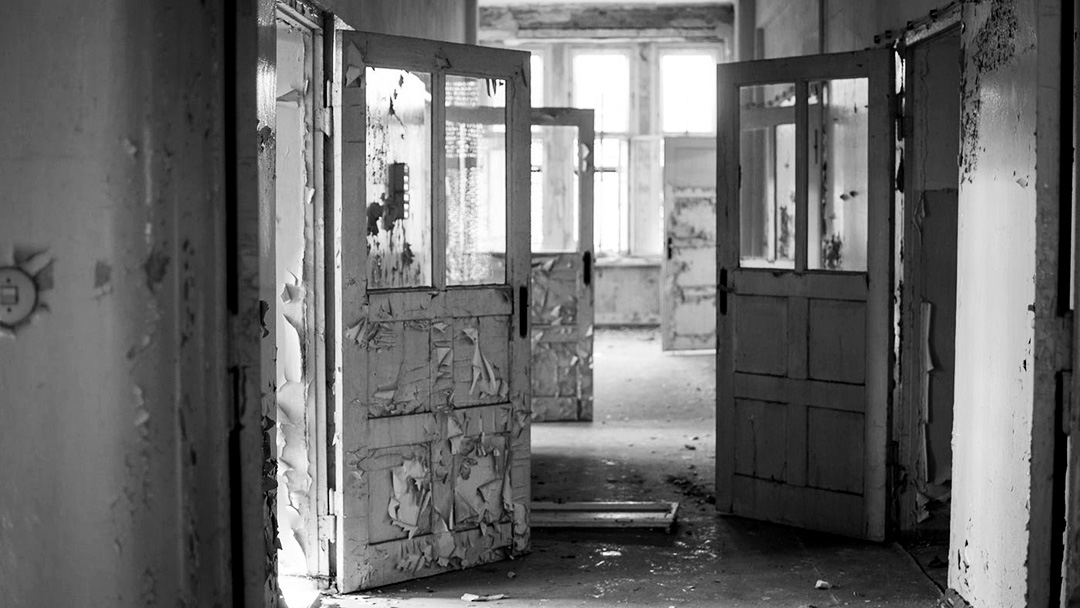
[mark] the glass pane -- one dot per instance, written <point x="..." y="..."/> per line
<point x="688" y="93"/>
<point x="837" y="197"/>
<point x="767" y="182"/>
<point x="611" y="191"/>
<point x="536" y="80"/>
<point x="398" y="178"/>
<point x="555" y="189"/>
<point x="475" y="184"/>
<point x="602" y="83"/>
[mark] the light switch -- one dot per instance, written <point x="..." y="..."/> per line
<point x="18" y="296"/>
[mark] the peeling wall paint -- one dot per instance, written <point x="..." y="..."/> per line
<point x="1005" y="336"/>
<point x="295" y="380"/>
<point x="114" y="403"/>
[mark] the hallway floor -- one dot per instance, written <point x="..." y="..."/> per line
<point x="654" y="439"/>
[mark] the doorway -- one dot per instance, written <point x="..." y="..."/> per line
<point x="931" y="183"/>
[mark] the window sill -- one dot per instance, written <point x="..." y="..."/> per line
<point x="627" y="261"/>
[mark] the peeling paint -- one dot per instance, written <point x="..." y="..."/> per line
<point x="155" y="267"/>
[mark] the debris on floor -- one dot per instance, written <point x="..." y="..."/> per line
<point x="472" y="597"/>
<point x="822" y="585"/>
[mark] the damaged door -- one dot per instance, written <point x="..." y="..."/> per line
<point x="562" y="264"/>
<point x="688" y="299"/>
<point x="433" y="427"/>
<point x="804" y="307"/>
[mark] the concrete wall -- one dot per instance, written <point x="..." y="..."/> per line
<point x="113" y="484"/>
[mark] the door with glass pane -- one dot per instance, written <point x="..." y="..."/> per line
<point x="562" y="264"/>
<point x="806" y="159"/>
<point x="432" y="431"/>
<point x="688" y="267"/>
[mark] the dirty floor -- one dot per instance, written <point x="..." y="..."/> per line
<point x="654" y="439"/>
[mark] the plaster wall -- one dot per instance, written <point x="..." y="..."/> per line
<point x="627" y="293"/>
<point x="1006" y="281"/>
<point x="113" y="487"/>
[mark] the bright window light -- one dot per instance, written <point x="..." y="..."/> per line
<point x="688" y="93"/>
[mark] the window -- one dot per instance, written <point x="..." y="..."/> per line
<point x="688" y="92"/>
<point x="536" y="80"/>
<point x="601" y="81"/>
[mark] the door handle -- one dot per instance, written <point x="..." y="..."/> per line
<point x="586" y="267"/>
<point x="670" y="247"/>
<point x="721" y="292"/>
<point x="523" y="311"/>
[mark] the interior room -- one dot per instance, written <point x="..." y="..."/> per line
<point x="539" y="303"/>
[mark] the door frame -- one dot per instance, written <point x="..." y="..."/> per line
<point x="880" y="370"/>
<point x="905" y="428"/>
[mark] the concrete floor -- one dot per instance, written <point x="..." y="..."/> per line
<point x="654" y="439"/>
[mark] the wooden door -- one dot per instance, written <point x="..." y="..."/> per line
<point x="561" y="309"/>
<point x="688" y="269"/>
<point x="562" y="264"/>
<point x="805" y="277"/>
<point x="432" y="437"/>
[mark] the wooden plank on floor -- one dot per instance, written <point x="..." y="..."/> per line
<point x="604" y="514"/>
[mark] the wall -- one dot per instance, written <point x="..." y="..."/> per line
<point x="1004" y="396"/>
<point x="627" y="293"/>
<point x="114" y="400"/>
<point x="449" y="20"/>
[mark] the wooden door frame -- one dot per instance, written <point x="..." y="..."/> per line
<point x="880" y="311"/>
<point x="912" y="381"/>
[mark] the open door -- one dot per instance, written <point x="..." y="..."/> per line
<point x="688" y="268"/>
<point x="561" y="309"/>
<point x="432" y="437"/>
<point x="805" y="182"/>
<point x="562" y="264"/>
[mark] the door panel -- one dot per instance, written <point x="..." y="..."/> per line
<point x="805" y="204"/>
<point x="563" y="295"/>
<point x="688" y="270"/>
<point x="562" y="303"/>
<point x="432" y="430"/>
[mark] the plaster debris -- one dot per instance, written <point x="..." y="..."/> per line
<point x="472" y="597"/>
<point x="822" y="585"/>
